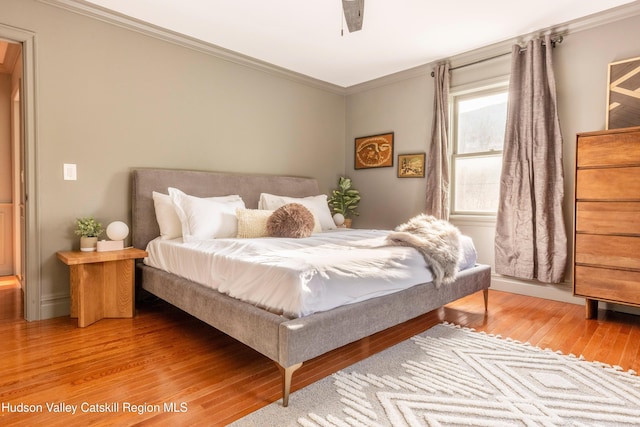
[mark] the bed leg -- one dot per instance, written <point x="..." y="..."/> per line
<point x="485" y="293"/>
<point x="287" y="374"/>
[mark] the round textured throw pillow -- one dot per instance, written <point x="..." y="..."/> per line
<point x="291" y="220"/>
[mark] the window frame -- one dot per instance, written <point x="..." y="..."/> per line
<point x="481" y="89"/>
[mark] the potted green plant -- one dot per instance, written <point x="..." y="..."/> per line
<point x="89" y="230"/>
<point x="344" y="200"/>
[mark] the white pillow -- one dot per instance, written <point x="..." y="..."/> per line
<point x="316" y="204"/>
<point x="252" y="223"/>
<point x="204" y="218"/>
<point x="167" y="217"/>
<point x="168" y="221"/>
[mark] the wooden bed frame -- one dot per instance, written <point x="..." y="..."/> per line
<point x="288" y="342"/>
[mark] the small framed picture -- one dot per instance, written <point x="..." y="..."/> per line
<point x="411" y="165"/>
<point x="374" y="151"/>
<point x="623" y="98"/>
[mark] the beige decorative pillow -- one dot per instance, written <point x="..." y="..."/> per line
<point x="291" y="220"/>
<point x="252" y="223"/>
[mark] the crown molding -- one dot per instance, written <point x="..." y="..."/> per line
<point x="418" y="71"/>
<point x="572" y="27"/>
<point x="94" y="11"/>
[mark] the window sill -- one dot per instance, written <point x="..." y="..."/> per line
<point x="473" y="220"/>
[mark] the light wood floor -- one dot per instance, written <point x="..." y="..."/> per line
<point x="10" y="299"/>
<point x="165" y="356"/>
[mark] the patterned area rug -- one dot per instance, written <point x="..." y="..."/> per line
<point x="450" y="376"/>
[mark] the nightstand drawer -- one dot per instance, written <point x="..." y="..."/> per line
<point x="608" y="284"/>
<point x="609" y="251"/>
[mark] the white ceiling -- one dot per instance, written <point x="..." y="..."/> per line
<point x="304" y="36"/>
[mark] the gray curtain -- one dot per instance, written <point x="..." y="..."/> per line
<point x="438" y="159"/>
<point x="531" y="240"/>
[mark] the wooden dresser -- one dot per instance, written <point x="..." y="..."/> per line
<point x="607" y="223"/>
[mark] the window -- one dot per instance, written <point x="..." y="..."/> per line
<point x="478" y="119"/>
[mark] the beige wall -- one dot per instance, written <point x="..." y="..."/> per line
<point x="405" y="106"/>
<point x="109" y="99"/>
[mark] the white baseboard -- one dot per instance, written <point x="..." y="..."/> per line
<point x="54" y="305"/>
<point x="558" y="292"/>
<point x="555" y="292"/>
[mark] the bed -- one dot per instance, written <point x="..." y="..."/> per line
<point x="289" y="339"/>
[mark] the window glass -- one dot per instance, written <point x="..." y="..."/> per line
<point x="477" y="184"/>
<point x="479" y="119"/>
<point x="481" y="122"/>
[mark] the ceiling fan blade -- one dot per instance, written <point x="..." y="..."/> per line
<point x="353" y="14"/>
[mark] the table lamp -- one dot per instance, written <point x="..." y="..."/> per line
<point x="117" y="231"/>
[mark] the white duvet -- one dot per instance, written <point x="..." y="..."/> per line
<point x="298" y="277"/>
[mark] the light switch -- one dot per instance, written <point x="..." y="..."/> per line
<point x="70" y="172"/>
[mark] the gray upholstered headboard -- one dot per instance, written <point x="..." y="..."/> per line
<point x="144" y="226"/>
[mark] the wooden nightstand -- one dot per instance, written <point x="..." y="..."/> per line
<point x="102" y="283"/>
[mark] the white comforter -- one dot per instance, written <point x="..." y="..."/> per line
<point x="297" y="277"/>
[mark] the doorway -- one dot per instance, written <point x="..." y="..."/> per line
<point x="23" y="100"/>
<point x="12" y="192"/>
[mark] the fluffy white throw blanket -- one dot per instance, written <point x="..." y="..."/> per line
<point x="437" y="240"/>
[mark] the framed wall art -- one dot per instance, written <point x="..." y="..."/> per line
<point x="374" y="151"/>
<point x="411" y="165"/>
<point x="623" y="99"/>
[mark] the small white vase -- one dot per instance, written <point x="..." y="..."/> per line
<point x="88" y="244"/>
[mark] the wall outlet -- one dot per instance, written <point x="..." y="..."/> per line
<point x="69" y="172"/>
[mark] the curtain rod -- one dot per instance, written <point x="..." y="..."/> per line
<point x="554" y="40"/>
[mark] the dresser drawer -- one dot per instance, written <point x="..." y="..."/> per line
<point x="608" y="184"/>
<point x="609" y="251"/>
<point x="617" y="149"/>
<point x="607" y="284"/>
<point x="608" y="217"/>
